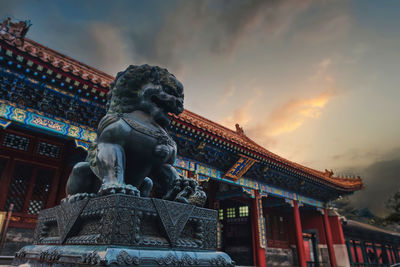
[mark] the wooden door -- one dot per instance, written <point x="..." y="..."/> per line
<point x="30" y="190"/>
<point x="237" y="235"/>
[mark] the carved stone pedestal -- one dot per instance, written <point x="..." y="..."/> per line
<point x="123" y="230"/>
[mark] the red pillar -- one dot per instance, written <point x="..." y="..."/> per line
<point x="301" y="253"/>
<point x="259" y="251"/>
<point x="337" y="230"/>
<point x="329" y="239"/>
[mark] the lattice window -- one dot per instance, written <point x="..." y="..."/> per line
<point x="221" y="214"/>
<point x="19" y="187"/>
<point x="230" y="212"/>
<point x="48" y="150"/>
<point x="16" y="142"/>
<point x="41" y="191"/>
<point x="243" y="211"/>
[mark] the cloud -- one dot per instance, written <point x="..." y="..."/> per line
<point x="239" y="19"/>
<point x="110" y="49"/>
<point x="218" y="28"/>
<point x="357" y="158"/>
<point x="382" y="178"/>
<point x="322" y="73"/>
<point x="173" y="34"/>
<point x="331" y="22"/>
<point x="8" y="9"/>
<point x="226" y="94"/>
<point x="291" y="115"/>
<point x="98" y="44"/>
<point x="296" y="112"/>
<point x="242" y="115"/>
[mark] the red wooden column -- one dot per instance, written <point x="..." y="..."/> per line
<point x="329" y="239"/>
<point x="301" y="253"/>
<point x="5" y="181"/>
<point x="259" y="250"/>
<point x="336" y="229"/>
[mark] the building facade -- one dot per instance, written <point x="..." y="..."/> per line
<point x="272" y="212"/>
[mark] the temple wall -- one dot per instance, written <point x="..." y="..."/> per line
<point x="288" y="257"/>
<point x="336" y="228"/>
<point x="323" y="255"/>
<point x="280" y="257"/>
<point x="16" y="238"/>
<point x="314" y="221"/>
<point x="339" y="245"/>
<point x="342" y="257"/>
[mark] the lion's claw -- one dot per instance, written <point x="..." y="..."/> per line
<point x="187" y="191"/>
<point x="109" y="189"/>
<point x="76" y="197"/>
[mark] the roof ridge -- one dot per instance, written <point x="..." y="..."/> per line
<point x="90" y="68"/>
<point x="347" y="182"/>
<point x="382" y="229"/>
<point x="213" y="122"/>
<point x="248" y="139"/>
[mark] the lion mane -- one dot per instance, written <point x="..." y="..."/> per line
<point x="124" y="96"/>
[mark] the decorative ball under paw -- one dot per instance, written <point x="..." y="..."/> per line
<point x="187" y="191"/>
<point x="109" y="189"/>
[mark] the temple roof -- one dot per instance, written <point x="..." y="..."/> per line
<point x="52" y="57"/>
<point x="362" y="230"/>
<point x="239" y="138"/>
<point x="102" y="80"/>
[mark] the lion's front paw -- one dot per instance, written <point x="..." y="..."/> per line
<point x="198" y="198"/>
<point x="76" y="197"/>
<point x="187" y="191"/>
<point x="109" y="189"/>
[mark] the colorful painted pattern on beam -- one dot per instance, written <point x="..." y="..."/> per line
<point x="41" y="86"/>
<point x="248" y="191"/>
<point x="28" y="118"/>
<point x="204" y="173"/>
<point x="4" y="123"/>
<point x="261" y="223"/>
<point x="82" y="144"/>
<point x="240" y="167"/>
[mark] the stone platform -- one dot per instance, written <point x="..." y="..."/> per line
<point x="123" y="230"/>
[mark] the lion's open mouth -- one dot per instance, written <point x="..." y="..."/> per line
<point x="163" y="104"/>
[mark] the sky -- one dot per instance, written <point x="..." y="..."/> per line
<point x="316" y="82"/>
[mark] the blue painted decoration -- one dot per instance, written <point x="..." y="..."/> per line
<point x="82" y="144"/>
<point x="28" y="118"/>
<point x="240" y="167"/>
<point x="204" y="173"/>
<point x="261" y="224"/>
<point x="4" y="123"/>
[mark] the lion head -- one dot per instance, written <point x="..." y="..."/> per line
<point x="151" y="89"/>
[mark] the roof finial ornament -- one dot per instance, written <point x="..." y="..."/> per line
<point x="328" y="173"/>
<point x="14" y="31"/>
<point x="239" y="129"/>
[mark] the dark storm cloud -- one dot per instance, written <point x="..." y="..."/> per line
<point x="382" y="178"/>
<point x="164" y="33"/>
<point x="239" y="18"/>
<point x="217" y="27"/>
<point x="7" y="9"/>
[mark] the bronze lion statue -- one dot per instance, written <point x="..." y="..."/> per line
<point x="133" y="149"/>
